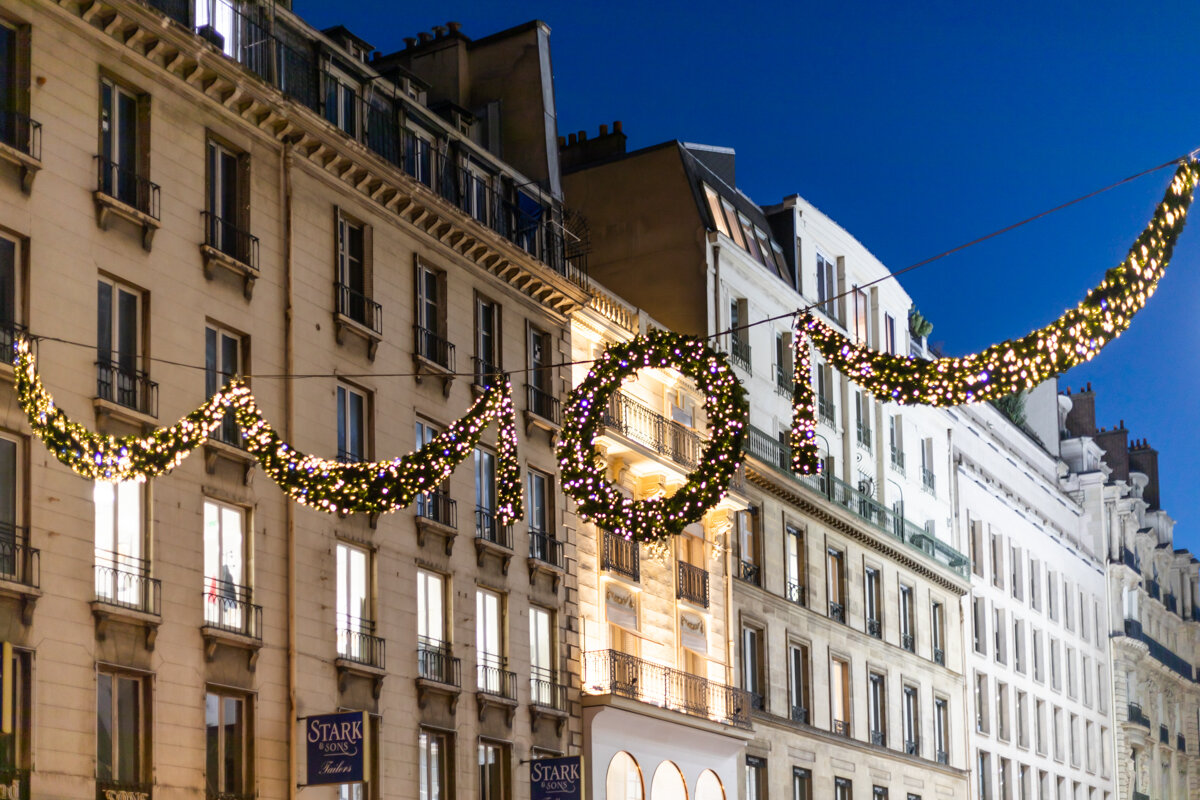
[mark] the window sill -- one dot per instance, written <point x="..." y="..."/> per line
<point x="421" y="364"/>
<point x="215" y="449"/>
<point x="426" y="526"/>
<point x="107" y="408"/>
<point x="554" y="571"/>
<point x="347" y="668"/>
<point x="485" y="700"/>
<point x="539" y="712"/>
<point x="106" y="613"/>
<point x="428" y="686"/>
<point x="27" y="164"/>
<point x="215" y="259"/>
<point x="24" y="594"/>
<point x="108" y="206"/>
<point x="483" y="546"/>
<point x="214" y="637"/>
<point x="343" y="325"/>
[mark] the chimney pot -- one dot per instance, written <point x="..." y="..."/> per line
<point x="410" y="41"/>
<point x="604" y="130"/>
<point x="617" y="126"/>
<point x="439" y="31"/>
<point x="570" y="139"/>
<point x="425" y="37"/>
<point x="454" y="27"/>
<point x="1089" y="386"/>
<point x="561" y="141"/>
<point x="583" y="136"/>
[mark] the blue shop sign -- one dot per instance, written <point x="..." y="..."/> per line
<point x="337" y="747"/>
<point x="556" y="778"/>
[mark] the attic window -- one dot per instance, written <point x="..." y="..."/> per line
<point x="714" y="208"/>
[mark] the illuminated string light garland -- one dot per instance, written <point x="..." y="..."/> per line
<point x="583" y="477"/>
<point x="331" y="486"/>
<point x="1010" y="366"/>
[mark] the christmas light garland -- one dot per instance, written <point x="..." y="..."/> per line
<point x="1009" y="366"/>
<point x="332" y="486"/>
<point x="581" y="470"/>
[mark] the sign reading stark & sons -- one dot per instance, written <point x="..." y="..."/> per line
<point x="337" y="747"/>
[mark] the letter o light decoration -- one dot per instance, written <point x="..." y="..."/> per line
<point x="724" y="404"/>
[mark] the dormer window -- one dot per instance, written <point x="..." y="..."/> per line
<point x="342" y="102"/>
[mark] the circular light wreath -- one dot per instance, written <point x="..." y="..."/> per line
<point x="724" y="403"/>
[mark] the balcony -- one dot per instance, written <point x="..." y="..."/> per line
<point x="795" y="593"/>
<point x="492" y="678"/>
<point x="1130" y="559"/>
<point x="21" y="144"/>
<point x="1180" y="743"/>
<point x="825" y="410"/>
<point x="435" y="662"/>
<point x="545" y="691"/>
<point x="739" y="351"/>
<point x="229" y="247"/>
<point x="906" y="641"/>
<point x="799" y="714"/>
<point x="777" y="455"/>
<point x="928" y="483"/>
<point x="358" y="315"/>
<point x="837" y="612"/>
<point x="357" y="642"/>
<point x="911" y="746"/>
<point x="1137" y="716"/>
<point x="122" y="582"/>
<point x="492" y="537"/>
<point x="784" y="385"/>
<point x="227" y="608"/>
<point x="615" y="673"/>
<point x="640" y="424"/>
<point x="485" y="374"/>
<point x="863" y="435"/>
<point x="874" y="628"/>
<point x="939" y="656"/>
<point x="879" y="738"/>
<point x="120" y="790"/>
<point x="545" y="548"/>
<point x="1165" y="656"/>
<point x="898" y="460"/>
<point x="841" y="727"/>
<point x="692" y="584"/>
<point x="747" y="572"/>
<point x="436" y="513"/>
<point x="15" y="782"/>
<point x="942" y="757"/>
<point x="1152" y="588"/>
<point x="128" y="388"/>
<point x="1164" y="736"/>
<point x="123" y="193"/>
<point x="19" y="563"/>
<point x="621" y="555"/>
<point x="541" y="410"/>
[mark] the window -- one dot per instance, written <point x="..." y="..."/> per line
<point x="487" y="526"/>
<point x="799" y="682"/>
<point x="714" y="208"/>
<point x="1016" y="581"/>
<point x="862" y="416"/>
<point x="1051" y="605"/>
<point x="494" y="770"/>
<point x="997" y="561"/>
<point x="543" y="676"/>
<point x="11" y="273"/>
<point x="835" y="566"/>
<point x="1057" y="730"/>
<point x="879" y="793"/>
<point x="981" y="703"/>
<point x="1035" y="594"/>
<point x="354" y="245"/>
<point x="983" y="772"/>
<point x="542" y="543"/>
<point x="928" y="482"/>
<point x="222" y="362"/>
<point x="1039" y="726"/>
<point x="783" y="362"/>
<point x="1055" y="679"/>
<point x="435" y="759"/>
<point x="16" y="129"/>
<point x="889" y="335"/>
<point x="352" y="413"/>
<point x="542" y="399"/>
<point x="827" y="286"/>
<point x="862" y="317"/>
<point x="1022" y="719"/>
<point x="124" y="150"/>
<point x="907" y="619"/>
<point x="15" y="747"/>
<point x="226" y="574"/>
<point x="896" y="441"/>
<point x="747" y="541"/>
<point x="434" y="660"/>
<point x="843" y="789"/>
<point x="1002" y="715"/>
<point x="912" y="721"/>
<point x="119" y="348"/>
<point x="1068" y="615"/>
<point x="418" y="155"/>
<point x="872" y="589"/>
<point x="227" y="212"/>
<point x="977" y="547"/>
<point x="801" y="784"/>
<point x="122" y="575"/>
<point x="941" y="730"/>
<point x="739" y="338"/>
<point x="825" y="392"/>
<point x="753" y="680"/>
<point x="431" y="343"/>
<point x="839" y="695"/>
<point x="796" y="565"/>
<point x="355" y="620"/>
<point x="477" y="193"/>
<point x="756" y="778"/>
<point x="1003" y="782"/>
<point x="487" y="342"/>
<point x="489" y="642"/>
<point x="341" y="103"/>
<point x="435" y="505"/>
<point x="13" y="533"/>
<point x="999" y="631"/>
<point x="122" y="731"/>
<point x="937" y="623"/>
<point x="1019" y="645"/>
<point x="877" y="708"/>
<point x="1036" y="639"/>
<point x="229" y="741"/>
<point x="979" y="624"/>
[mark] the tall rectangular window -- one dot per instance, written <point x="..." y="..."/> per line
<point x="979" y="624"/>
<point x="941" y="730"/>
<point x="839" y="695"/>
<point x="227" y="212"/>
<point x="983" y="774"/>
<point x="862" y="417"/>
<point x="1016" y="583"/>
<point x="119" y="347"/>
<point x="877" y="708"/>
<point x="746" y="532"/>
<point x="489" y="641"/>
<point x="13" y="535"/>
<point x="801" y="784"/>
<point x="912" y="721"/>
<point x="354" y="271"/>
<point x="835" y="573"/>
<point x="122" y="573"/>
<point x="15" y="125"/>
<point x="889" y="334"/>
<point x="11" y="273"/>
<point x="862" y="316"/>
<point x="542" y="543"/>
<point x="827" y="286"/>
<point x="796" y="565"/>
<point x="937" y="619"/>
<point x="1022" y="719"/>
<point x="435" y="759"/>
<point x="123" y="150"/>
<point x="843" y="789"/>
<point x="16" y="752"/>
<point x="430" y="295"/>
<point x="487" y="526"/>
<point x="431" y="607"/>
<point x="352" y="410"/>
<point x="871" y="589"/>
<point x="756" y="778"/>
<point x="227" y="599"/>
<point x="982" y="703"/>
<point x="543" y="675"/>
<point x="799" y="683"/>
<point x="487" y="342"/>
<point x="222" y="362"/>
<point x="122" y="732"/>
<point x="1002" y="711"/>
<point x="997" y="560"/>
<point x="908" y="620"/>
<point x="435" y="505"/>
<point x="229" y="744"/>
<point x="342" y="102"/>
<point x="542" y="400"/>
<point x="495" y="770"/>
<point x="753" y="680"/>
<point x="355" y="620"/>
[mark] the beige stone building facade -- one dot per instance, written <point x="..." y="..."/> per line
<point x="190" y="191"/>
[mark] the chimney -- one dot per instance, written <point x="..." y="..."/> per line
<point x="454" y="27"/>
<point x="581" y="151"/>
<point x="425" y="37"/>
<point x="1081" y="420"/>
<point x="410" y="41"/>
<point x="1144" y="459"/>
<point x="439" y="31"/>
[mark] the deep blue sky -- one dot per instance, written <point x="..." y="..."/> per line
<point x="919" y="127"/>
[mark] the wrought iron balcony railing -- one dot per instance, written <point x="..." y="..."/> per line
<point x="639" y="423"/>
<point x="777" y="455"/>
<point x="863" y="435"/>
<point x="126" y="186"/>
<point x="122" y="581"/>
<point x="874" y="628"/>
<point x="907" y="642"/>
<point x="879" y="738"/>
<point x="841" y="727"/>
<point x="542" y="403"/>
<point x="621" y="555"/>
<point x="356" y="641"/>
<point x="435" y="662"/>
<point x="433" y="348"/>
<point x="19" y="563"/>
<point x="21" y="133"/>
<point x="799" y="714"/>
<point x="227" y="607"/>
<point x="1164" y="736"/>
<point x="15" y="781"/>
<point x="357" y="307"/>
<point x="796" y="593"/>
<point x="692" y="584"/>
<point x="942" y="757"/>
<point x="1137" y="716"/>
<point x="485" y="374"/>
<point x="1160" y="652"/>
<point x="123" y="789"/>
<point x="747" y="571"/>
<point x="492" y="678"/>
<point x="545" y="548"/>
<point x="545" y="691"/>
<point x="928" y="482"/>
<point x="614" y="672"/>
<point x="911" y="746"/>
<point x="489" y="528"/>
<point x="784" y="385"/>
<point x="739" y="351"/>
<point x="438" y="507"/>
<point x="825" y="410"/>
<point x="837" y="612"/>
<point x="939" y="656"/>
<point x="130" y="388"/>
<point x="225" y="237"/>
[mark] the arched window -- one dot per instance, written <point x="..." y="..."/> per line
<point x="624" y="778"/>
<point x="668" y="783"/>
<point x="709" y="787"/>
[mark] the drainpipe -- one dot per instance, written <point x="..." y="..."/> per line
<point x="716" y="307"/>
<point x="285" y="168"/>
